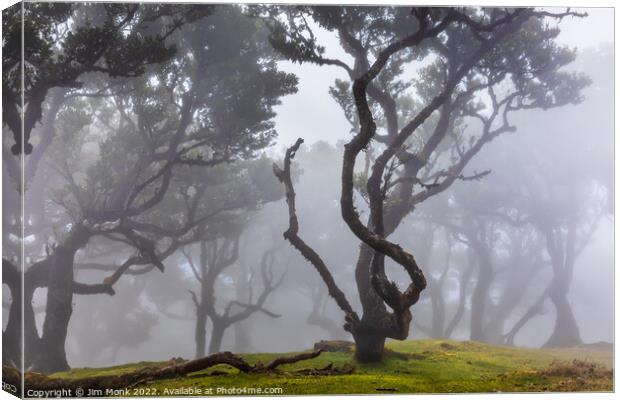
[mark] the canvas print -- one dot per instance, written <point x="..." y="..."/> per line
<point x="281" y="199"/>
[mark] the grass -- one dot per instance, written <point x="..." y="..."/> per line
<point x="437" y="366"/>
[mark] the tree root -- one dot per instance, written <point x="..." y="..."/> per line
<point x="342" y="346"/>
<point x="399" y="355"/>
<point x="39" y="381"/>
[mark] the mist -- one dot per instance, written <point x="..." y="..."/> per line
<point x="167" y="171"/>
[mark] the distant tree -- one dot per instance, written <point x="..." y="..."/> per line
<point x="564" y="195"/>
<point x="567" y="213"/>
<point x="214" y="257"/>
<point x="482" y="64"/>
<point x="238" y="189"/>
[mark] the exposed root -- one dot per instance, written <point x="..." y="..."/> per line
<point x="343" y="346"/>
<point x="401" y="356"/>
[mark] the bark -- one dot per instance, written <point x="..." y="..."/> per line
<point x="35" y="277"/>
<point x="369" y="347"/>
<point x="372" y="305"/>
<point x="38" y="276"/>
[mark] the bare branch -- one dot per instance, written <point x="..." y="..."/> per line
<point x="291" y="234"/>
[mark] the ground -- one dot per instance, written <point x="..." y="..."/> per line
<point x="431" y="366"/>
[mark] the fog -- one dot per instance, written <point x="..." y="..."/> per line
<point x="516" y="250"/>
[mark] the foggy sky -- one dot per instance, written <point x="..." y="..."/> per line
<point x="313" y="115"/>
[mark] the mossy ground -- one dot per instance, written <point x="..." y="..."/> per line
<point x="437" y="366"/>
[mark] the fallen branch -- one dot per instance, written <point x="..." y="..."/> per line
<point x="37" y="381"/>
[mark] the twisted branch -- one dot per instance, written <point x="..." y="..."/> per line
<point x="291" y="234"/>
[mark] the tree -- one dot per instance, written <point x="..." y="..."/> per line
<point x="63" y="41"/>
<point x="133" y="140"/>
<point x="215" y="256"/>
<point x="566" y="213"/>
<point x="483" y="64"/>
<point x="237" y="188"/>
<point x="562" y="196"/>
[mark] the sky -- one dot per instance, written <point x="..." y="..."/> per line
<point x="312" y="115"/>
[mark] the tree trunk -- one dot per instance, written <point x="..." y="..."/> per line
<point x="200" y="331"/>
<point x="369" y="347"/>
<point x="59" y="305"/>
<point x="478" y="303"/>
<point x="372" y="304"/>
<point x="57" y="314"/>
<point x="242" y="340"/>
<point x="566" y="330"/>
<point x="215" y="344"/>
<point x="481" y="292"/>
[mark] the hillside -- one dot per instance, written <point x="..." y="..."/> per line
<point x="418" y="366"/>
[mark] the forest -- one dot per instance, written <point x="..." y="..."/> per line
<point x="321" y="199"/>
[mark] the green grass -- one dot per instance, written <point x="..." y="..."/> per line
<point x="438" y="366"/>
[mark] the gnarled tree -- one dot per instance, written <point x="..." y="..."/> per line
<point x="481" y="64"/>
<point x="130" y="143"/>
